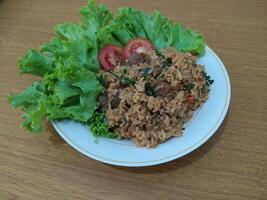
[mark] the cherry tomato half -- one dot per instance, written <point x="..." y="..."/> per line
<point x="138" y="45"/>
<point x="191" y="99"/>
<point x="110" y="56"/>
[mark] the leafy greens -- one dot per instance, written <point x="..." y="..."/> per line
<point x="131" y="23"/>
<point x="69" y="66"/>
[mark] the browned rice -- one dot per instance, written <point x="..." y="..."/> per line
<point x="150" y="120"/>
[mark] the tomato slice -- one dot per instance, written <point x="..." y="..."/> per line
<point x="110" y="56"/>
<point x="138" y="45"/>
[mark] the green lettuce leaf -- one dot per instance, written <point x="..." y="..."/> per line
<point x="36" y="63"/>
<point x="74" y="90"/>
<point x="72" y="45"/>
<point x="188" y="40"/>
<point x="114" y="33"/>
<point x="162" y="32"/>
<point x="30" y="96"/>
<point x="69" y="66"/>
<point x="93" y="19"/>
<point x="31" y="102"/>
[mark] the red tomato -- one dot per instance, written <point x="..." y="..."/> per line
<point x="110" y="56"/>
<point x="191" y="99"/>
<point x="138" y="45"/>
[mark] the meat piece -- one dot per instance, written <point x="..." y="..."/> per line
<point x="161" y="88"/>
<point x="170" y="96"/>
<point x="157" y="71"/>
<point x="103" y="100"/>
<point x="137" y="58"/>
<point x="115" y="102"/>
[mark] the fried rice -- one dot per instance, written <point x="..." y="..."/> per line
<point x="151" y="97"/>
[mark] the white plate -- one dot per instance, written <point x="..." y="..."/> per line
<point x="123" y="153"/>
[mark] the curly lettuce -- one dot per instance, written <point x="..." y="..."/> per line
<point x="68" y="64"/>
<point x="130" y="23"/>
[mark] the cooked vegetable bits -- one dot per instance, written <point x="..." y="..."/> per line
<point x="159" y="101"/>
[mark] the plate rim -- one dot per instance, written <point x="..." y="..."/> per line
<point x="165" y="159"/>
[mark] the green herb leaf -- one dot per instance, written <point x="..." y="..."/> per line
<point x="123" y="70"/>
<point x="209" y="81"/>
<point x="189" y="87"/>
<point x="146" y="71"/>
<point x="123" y="79"/>
<point x="127" y="81"/>
<point x="167" y="63"/>
<point x="149" y="89"/>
